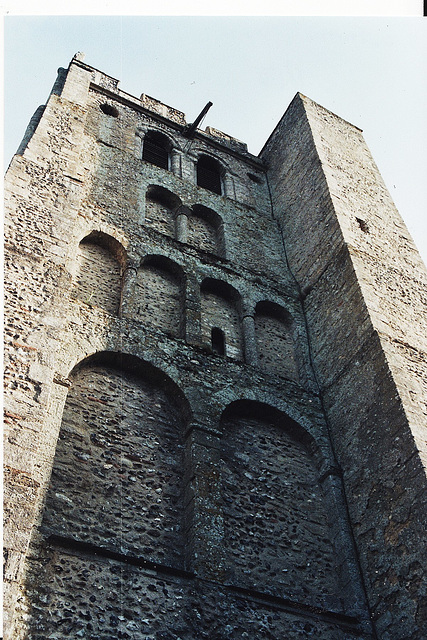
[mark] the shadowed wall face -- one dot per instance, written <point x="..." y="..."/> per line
<point x="363" y="290"/>
<point x="158" y="216"/>
<point x="275" y="344"/>
<point x="221" y="313"/>
<point x="201" y="234"/>
<point x="275" y="516"/>
<point x="116" y="488"/>
<point x="119" y="454"/>
<point x="158" y="299"/>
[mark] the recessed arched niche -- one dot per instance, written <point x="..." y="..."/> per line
<point x="220" y="314"/>
<point x="205" y="230"/>
<point x="120" y="442"/>
<point x="277" y="535"/>
<point x="115" y="503"/>
<point x="274" y="334"/>
<point x="158" y="296"/>
<point x="98" y="279"/>
<point x="160" y="207"/>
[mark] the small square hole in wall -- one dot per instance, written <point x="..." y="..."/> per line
<point x="363" y="225"/>
<point x="109" y="110"/>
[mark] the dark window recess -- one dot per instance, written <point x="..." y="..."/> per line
<point x="109" y="110"/>
<point x="208" y="175"/>
<point x="154" y="152"/>
<point x="218" y="341"/>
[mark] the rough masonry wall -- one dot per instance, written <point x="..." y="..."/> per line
<point x="81" y="176"/>
<point x="275" y="516"/>
<point x="119" y="453"/>
<point x="98" y="278"/>
<point x="203" y="235"/>
<point x="39" y="200"/>
<point x="124" y="151"/>
<point x="217" y="311"/>
<point x="275" y="343"/>
<point x="116" y="486"/>
<point x="392" y="276"/>
<point x="314" y="152"/>
<point x="160" y="607"/>
<point x="157" y="299"/>
<point x="159" y="217"/>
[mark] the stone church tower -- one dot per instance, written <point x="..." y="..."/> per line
<point x="215" y="372"/>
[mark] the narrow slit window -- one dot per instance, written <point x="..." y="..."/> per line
<point x="218" y="341"/>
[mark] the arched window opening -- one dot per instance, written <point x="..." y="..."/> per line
<point x="218" y="341"/>
<point x="209" y="174"/>
<point x="156" y="149"/>
<point x="98" y="279"/>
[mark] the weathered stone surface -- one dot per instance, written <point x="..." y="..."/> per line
<point x="364" y="290"/>
<point x="210" y="427"/>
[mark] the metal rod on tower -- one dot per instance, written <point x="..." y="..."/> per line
<point x="190" y="129"/>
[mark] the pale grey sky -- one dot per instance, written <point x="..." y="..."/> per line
<point x="370" y="71"/>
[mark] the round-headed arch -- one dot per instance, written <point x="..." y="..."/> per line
<point x="105" y="240"/>
<point x="276" y="524"/>
<point x="264" y="412"/>
<point x="274" y="310"/>
<point x="156" y="148"/>
<point x="135" y="366"/>
<point x="161" y="207"/>
<point x="99" y="266"/>
<point x="158" y="299"/>
<point x="164" y="263"/>
<point x="119" y="460"/>
<point x="220" y="288"/>
<point x="275" y="339"/>
<point x="211" y="216"/>
<point x="163" y="196"/>
<point x="221" y="318"/>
